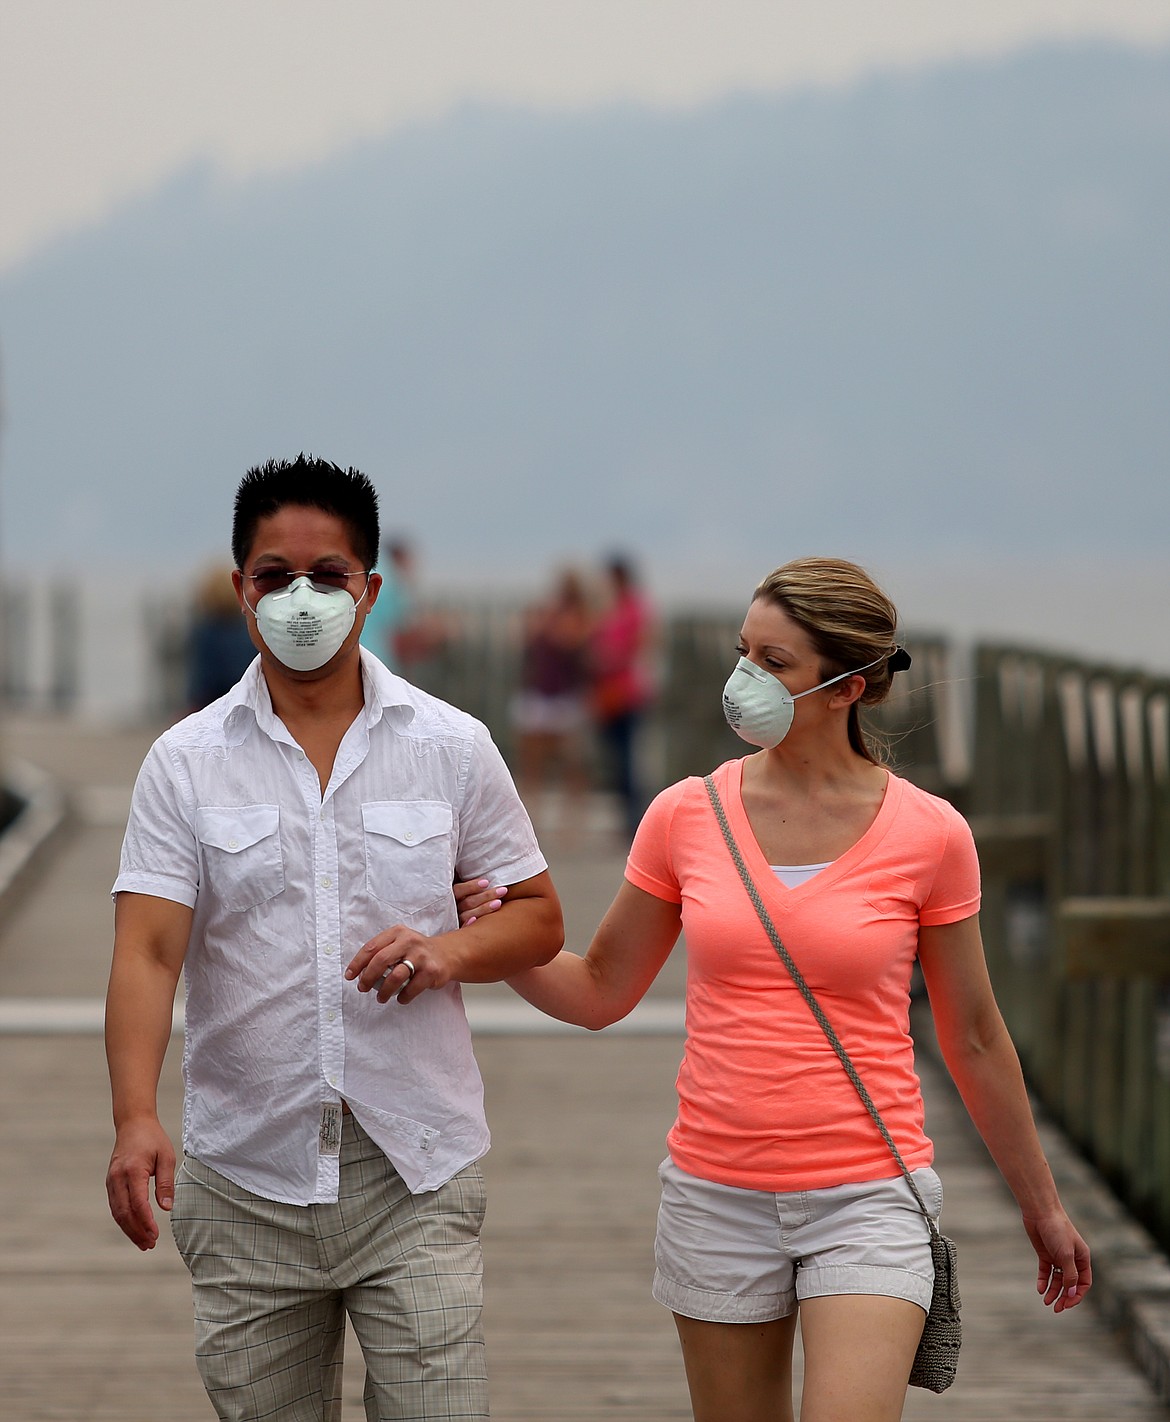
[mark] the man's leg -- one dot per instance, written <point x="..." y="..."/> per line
<point x="269" y="1326"/>
<point x="416" y="1296"/>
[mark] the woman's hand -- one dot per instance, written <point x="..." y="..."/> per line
<point x="1065" y="1274"/>
<point x="475" y="898"/>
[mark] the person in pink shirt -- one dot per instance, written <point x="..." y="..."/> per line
<point x="621" y="690"/>
<point x="780" y="1198"/>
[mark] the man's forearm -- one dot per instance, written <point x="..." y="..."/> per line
<point x="524" y="934"/>
<point x="139" y="1009"/>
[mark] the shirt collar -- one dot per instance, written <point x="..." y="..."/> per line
<point x="249" y="702"/>
<point x="384" y="691"/>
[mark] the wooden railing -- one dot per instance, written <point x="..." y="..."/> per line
<point x="1070" y="803"/>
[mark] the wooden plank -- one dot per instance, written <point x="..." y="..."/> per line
<point x="1115" y="937"/>
<point x="1013" y="847"/>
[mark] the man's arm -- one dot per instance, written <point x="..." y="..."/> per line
<point x="150" y="943"/>
<point x="486" y="951"/>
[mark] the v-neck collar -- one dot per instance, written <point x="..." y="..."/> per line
<point x="757" y="861"/>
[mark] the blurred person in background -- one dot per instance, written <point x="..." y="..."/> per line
<point x="550" y="710"/>
<point x="621" y="687"/>
<point x="403" y="634"/>
<point x="781" y="1198"/>
<point x="291" y="851"/>
<point x="219" y="648"/>
<point x="395" y="603"/>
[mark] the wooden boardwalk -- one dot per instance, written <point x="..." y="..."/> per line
<point x="94" y="1330"/>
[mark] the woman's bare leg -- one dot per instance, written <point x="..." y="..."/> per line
<point x="858" y="1349"/>
<point x="738" y="1372"/>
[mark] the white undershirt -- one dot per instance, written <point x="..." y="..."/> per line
<point x="793" y="875"/>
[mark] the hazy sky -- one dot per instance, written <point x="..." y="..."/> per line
<point x="101" y="98"/>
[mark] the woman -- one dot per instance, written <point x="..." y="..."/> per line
<point x="779" y="1195"/>
<point x="550" y="711"/>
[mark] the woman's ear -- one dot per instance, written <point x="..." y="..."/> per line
<point x="846" y="692"/>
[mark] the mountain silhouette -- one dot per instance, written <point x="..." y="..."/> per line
<point x="926" y="312"/>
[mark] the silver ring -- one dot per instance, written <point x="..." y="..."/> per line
<point x="408" y="965"/>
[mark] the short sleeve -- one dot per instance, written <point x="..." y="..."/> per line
<point x="954" y="894"/>
<point x="160" y="853"/>
<point x="496" y="838"/>
<point x="650" y="865"/>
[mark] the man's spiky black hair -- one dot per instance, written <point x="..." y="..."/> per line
<point x="309" y="483"/>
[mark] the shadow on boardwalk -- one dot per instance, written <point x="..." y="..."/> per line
<point x="93" y="1330"/>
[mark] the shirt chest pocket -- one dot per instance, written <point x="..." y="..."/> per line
<point x="892" y="895"/>
<point x="409" y="861"/>
<point x="240" y="845"/>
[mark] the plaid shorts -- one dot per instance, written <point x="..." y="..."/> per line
<point x="272" y="1284"/>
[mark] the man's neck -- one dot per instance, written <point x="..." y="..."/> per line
<point x="318" y="713"/>
<point x="298" y="702"/>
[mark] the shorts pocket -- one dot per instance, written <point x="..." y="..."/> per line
<point x="179" y="1214"/>
<point x="930" y="1188"/>
<point x="240" y="846"/>
<point x="409" y="859"/>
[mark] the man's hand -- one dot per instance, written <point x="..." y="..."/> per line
<point x="142" y="1151"/>
<point x="475" y="898"/>
<point x="400" y="963"/>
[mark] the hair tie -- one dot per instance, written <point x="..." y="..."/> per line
<point x="899" y="660"/>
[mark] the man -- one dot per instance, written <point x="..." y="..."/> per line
<point x="291" y="849"/>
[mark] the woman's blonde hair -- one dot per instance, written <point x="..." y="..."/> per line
<point x="849" y="621"/>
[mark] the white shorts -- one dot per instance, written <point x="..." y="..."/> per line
<point x="536" y="714"/>
<point x="730" y="1255"/>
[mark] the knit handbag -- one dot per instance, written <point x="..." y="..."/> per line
<point x="937" y="1357"/>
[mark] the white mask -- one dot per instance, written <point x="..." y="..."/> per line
<point x="303" y="627"/>
<point x="759" y="707"/>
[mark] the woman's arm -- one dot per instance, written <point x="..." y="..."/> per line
<point x="983" y="1063"/>
<point x="627" y="952"/>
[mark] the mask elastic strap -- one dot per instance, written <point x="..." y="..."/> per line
<point x="832" y="681"/>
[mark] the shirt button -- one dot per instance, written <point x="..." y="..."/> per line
<point x="332" y="1015"/>
<point x="233" y="844"/>
<point x="408" y="836"/>
<point x="333" y="1081"/>
<point x="326" y="883"/>
<point x="329" y="950"/>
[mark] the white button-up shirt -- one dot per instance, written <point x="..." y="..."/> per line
<point x="286" y="884"/>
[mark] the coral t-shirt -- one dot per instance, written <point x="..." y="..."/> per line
<point x="764" y="1102"/>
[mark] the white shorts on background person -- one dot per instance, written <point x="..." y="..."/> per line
<point x="536" y="714"/>
<point x="728" y="1255"/>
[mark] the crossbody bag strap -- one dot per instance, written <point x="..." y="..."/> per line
<point x="807" y="993"/>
